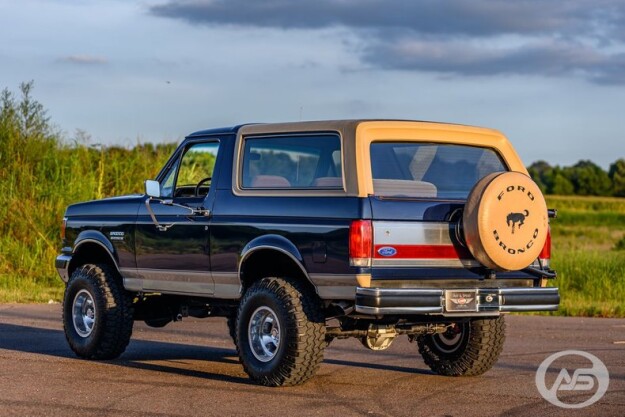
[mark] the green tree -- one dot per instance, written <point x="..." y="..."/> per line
<point x="541" y="173"/>
<point x="25" y="119"/>
<point x="560" y="184"/>
<point x="589" y="179"/>
<point x="617" y="175"/>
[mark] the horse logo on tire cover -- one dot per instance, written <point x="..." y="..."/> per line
<point x="514" y="218"/>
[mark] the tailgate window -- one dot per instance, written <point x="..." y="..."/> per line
<point x="430" y="170"/>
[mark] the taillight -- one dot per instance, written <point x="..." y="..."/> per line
<point x="360" y="243"/>
<point x="63" y="226"/>
<point x="546" y="252"/>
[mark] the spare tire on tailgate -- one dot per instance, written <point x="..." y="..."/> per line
<point x="505" y="221"/>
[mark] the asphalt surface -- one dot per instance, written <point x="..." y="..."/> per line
<point x="190" y="368"/>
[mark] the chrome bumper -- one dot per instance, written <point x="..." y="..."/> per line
<point x="487" y="301"/>
<point x="62" y="265"/>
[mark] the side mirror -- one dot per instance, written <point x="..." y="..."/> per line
<point x="153" y="188"/>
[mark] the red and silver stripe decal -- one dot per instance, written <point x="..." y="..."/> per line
<point x="412" y="244"/>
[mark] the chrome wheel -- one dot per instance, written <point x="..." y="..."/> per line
<point x="280" y="332"/>
<point x="97" y="312"/>
<point x="83" y="313"/>
<point x="451" y="340"/>
<point x="264" y="334"/>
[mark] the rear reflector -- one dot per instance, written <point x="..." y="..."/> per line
<point x="546" y="252"/>
<point x="360" y="243"/>
<point x="63" y="226"/>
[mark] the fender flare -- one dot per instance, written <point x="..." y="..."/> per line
<point x="97" y="237"/>
<point x="277" y="243"/>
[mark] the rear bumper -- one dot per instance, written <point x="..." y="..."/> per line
<point x="487" y="301"/>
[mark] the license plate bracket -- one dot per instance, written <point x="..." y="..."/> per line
<point x="461" y="301"/>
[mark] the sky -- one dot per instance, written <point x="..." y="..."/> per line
<point x="550" y="74"/>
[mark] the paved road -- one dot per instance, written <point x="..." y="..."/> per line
<point x="191" y="369"/>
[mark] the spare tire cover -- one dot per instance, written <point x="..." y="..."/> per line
<point x="505" y="221"/>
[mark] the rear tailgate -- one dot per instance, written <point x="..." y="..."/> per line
<point x="425" y="249"/>
<point x="419" y="182"/>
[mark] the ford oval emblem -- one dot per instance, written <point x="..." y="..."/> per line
<point x="387" y="251"/>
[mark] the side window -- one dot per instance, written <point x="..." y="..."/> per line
<point x="297" y="162"/>
<point x="167" y="185"/>
<point x="191" y="175"/>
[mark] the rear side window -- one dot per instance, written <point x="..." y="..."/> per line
<point x="293" y="162"/>
<point x="429" y="170"/>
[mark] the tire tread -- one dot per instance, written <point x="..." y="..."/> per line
<point x="304" y="352"/>
<point x="116" y="317"/>
<point x="484" y="345"/>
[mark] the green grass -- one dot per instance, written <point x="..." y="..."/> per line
<point x="40" y="174"/>
<point x="38" y="185"/>
<point x="588" y="253"/>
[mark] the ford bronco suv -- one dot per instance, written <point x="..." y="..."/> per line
<point x="300" y="233"/>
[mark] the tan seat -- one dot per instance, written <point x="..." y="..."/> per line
<point x="404" y="188"/>
<point x="270" y="181"/>
<point x="328" y="182"/>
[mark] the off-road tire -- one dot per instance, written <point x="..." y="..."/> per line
<point x="112" y="326"/>
<point x="476" y="351"/>
<point x="302" y="332"/>
<point x="231" y="322"/>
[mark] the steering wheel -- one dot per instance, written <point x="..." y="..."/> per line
<point x="199" y="184"/>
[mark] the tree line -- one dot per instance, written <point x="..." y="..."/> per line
<point x="583" y="178"/>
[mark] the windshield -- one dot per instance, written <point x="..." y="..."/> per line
<point x="430" y="170"/>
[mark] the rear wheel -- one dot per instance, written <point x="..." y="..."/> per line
<point x="280" y="333"/>
<point x="465" y="349"/>
<point x="97" y="313"/>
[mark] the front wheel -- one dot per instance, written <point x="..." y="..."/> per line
<point x="466" y="349"/>
<point x="280" y="333"/>
<point x="97" y="313"/>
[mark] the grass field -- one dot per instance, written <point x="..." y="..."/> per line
<point x="39" y="177"/>
<point x="589" y="255"/>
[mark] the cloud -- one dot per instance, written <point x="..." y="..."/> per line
<point x="84" y="60"/>
<point x="547" y="58"/>
<point x="541" y="37"/>
<point x="450" y="17"/>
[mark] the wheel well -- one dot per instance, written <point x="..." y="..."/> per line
<point x="272" y="263"/>
<point x="90" y="253"/>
